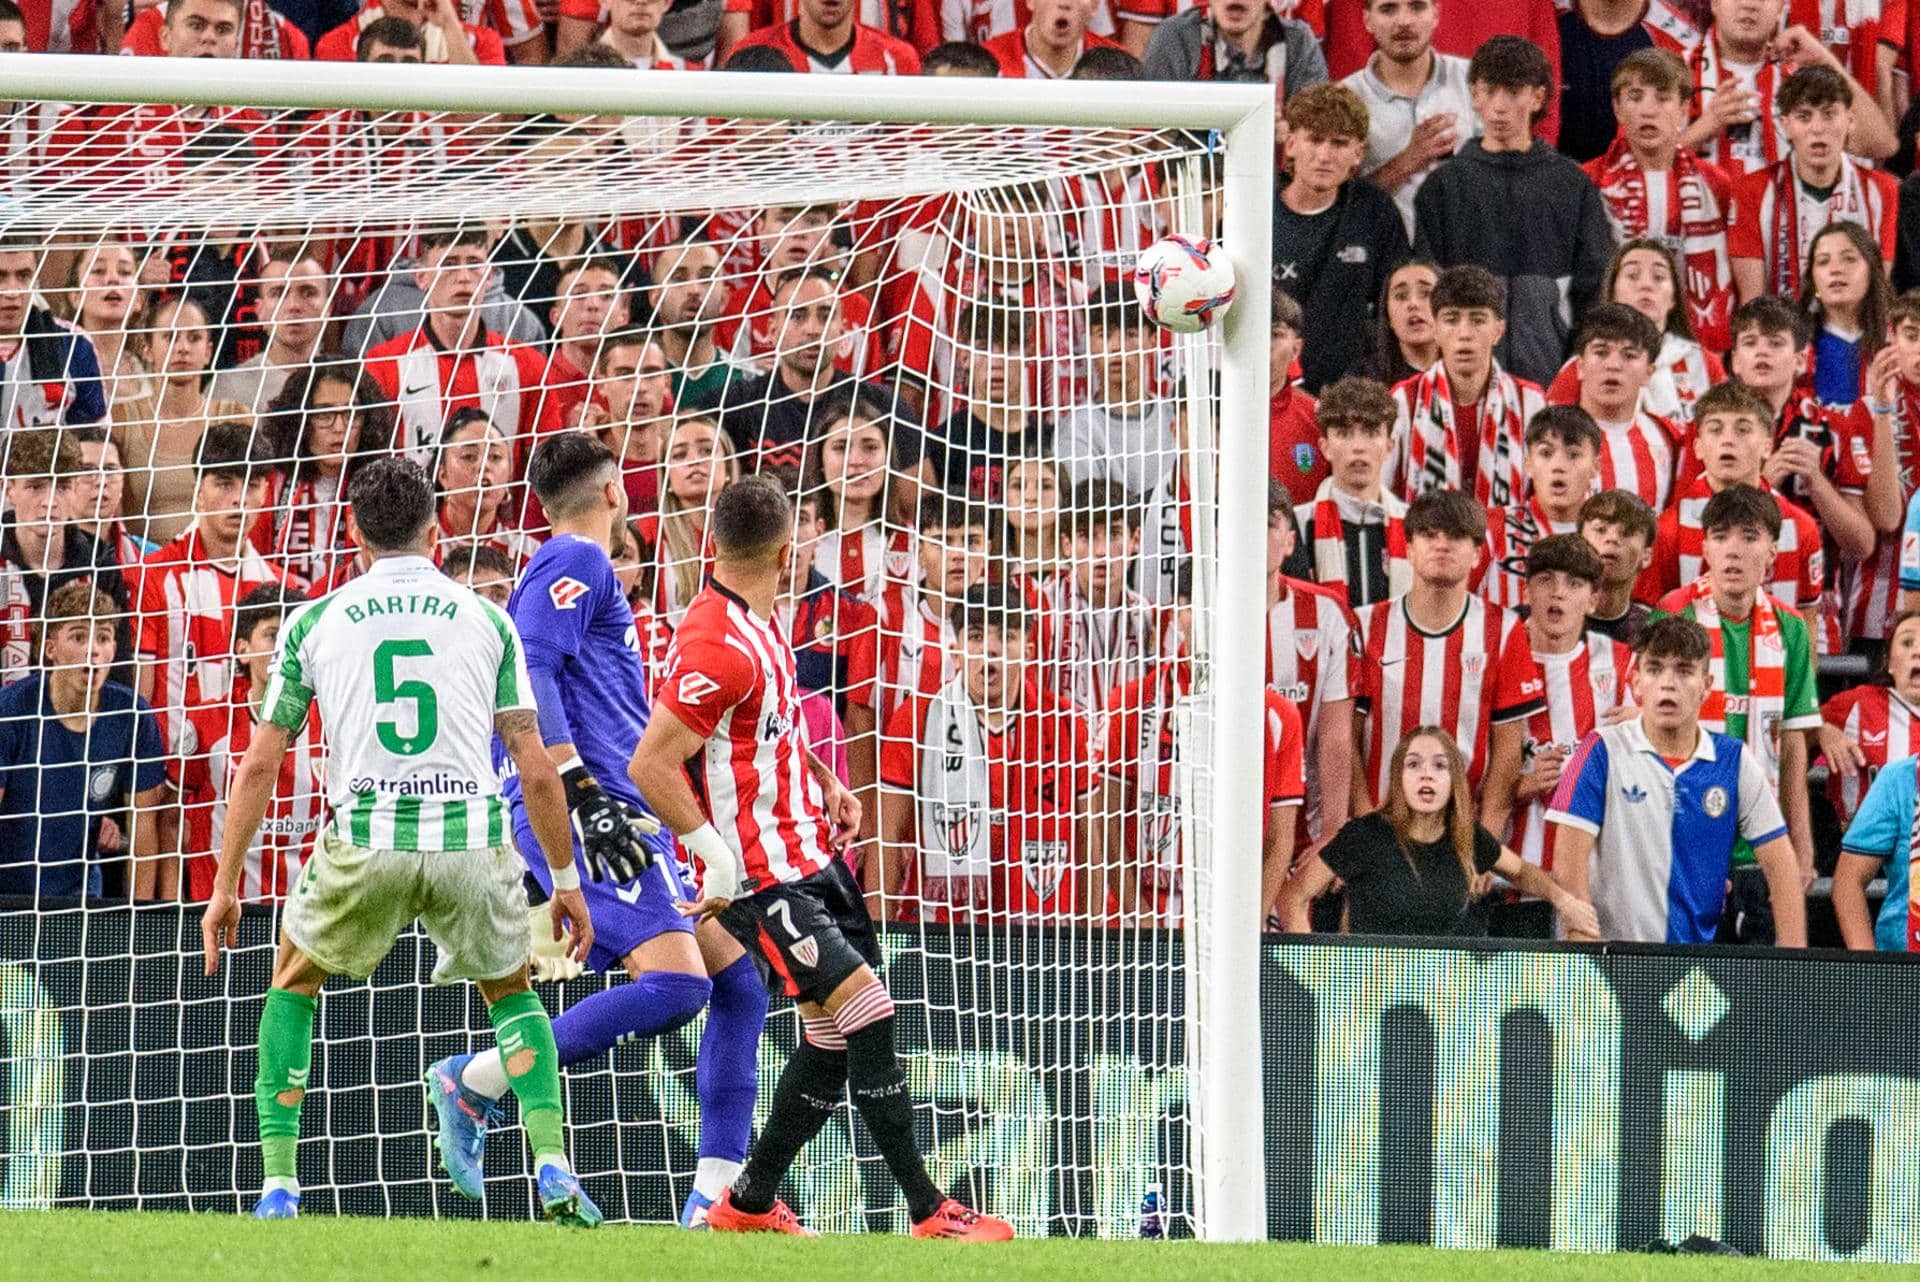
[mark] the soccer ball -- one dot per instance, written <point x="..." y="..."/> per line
<point x="1183" y="284"/>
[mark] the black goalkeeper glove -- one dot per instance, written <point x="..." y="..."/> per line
<point x="609" y="832"/>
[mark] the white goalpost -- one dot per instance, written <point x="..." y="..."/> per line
<point x="930" y="210"/>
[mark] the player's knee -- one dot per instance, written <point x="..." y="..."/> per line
<point x="870" y="1006"/>
<point x="739" y="992"/>
<point x="681" y="996"/>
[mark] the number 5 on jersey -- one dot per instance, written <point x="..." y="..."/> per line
<point x="389" y="690"/>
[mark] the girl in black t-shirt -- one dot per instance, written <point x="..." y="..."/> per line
<point x="1416" y="865"/>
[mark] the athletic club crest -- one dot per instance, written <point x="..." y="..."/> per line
<point x="957" y="828"/>
<point x="1603" y="687"/>
<point x="806" y="951"/>
<point x="1714" y="802"/>
<point x="1473" y="665"/>
<point x="1307" y="643"/>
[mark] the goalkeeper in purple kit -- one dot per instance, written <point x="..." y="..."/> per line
<point x="583" y="657"/>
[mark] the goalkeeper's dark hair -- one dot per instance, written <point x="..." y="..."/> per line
<point x="229" y="450"/>
<point x="991" y="605"/>
<point x="394" y="33"/>
<point x="751" y="518"/>
<point x="567" y="471"/>
<point x="268" y="602"/>
<point x="393" y="504"/>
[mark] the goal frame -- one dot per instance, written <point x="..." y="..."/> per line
<point x="1226" y="1093"/>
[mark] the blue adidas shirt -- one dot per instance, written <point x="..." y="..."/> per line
<point x="1883" y="830"/>
<point x="583" y="655"/>
<point x="58" y="784"/>
<point x="1663" y="836"/>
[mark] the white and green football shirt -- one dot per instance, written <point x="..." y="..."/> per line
<point x="409" y="669"/>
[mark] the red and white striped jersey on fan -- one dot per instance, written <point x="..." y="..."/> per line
<point x="916" y="658"/>
<point x="1313" y="659"/>
<point x="1679" y="551"/>
<point x="1871" y="588"/>
<point x="183" y="602"/>
<point x="1477" y="674"/>
<point x="1579" y="687"/>
<point x="1140" y="752"/>
<point x="1641" y="456"/>
<point x="1110" y="217"/>
<point x="218" y="737"/>
<point x="730" y="678"/>
<point x="1887" y="728"/>
<point x="1511" y="534"/>
<point x="1086" y="651"/>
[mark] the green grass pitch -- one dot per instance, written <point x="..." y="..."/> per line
<point x="57" y="1246"/>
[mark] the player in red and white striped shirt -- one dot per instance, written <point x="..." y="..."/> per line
<point x="724" y="753"/>
<point x="1563" y="457"/>
<point x="1313" y="662"/>
<point x="1873" y="725"/>
<point x="1440" y="656"/>
<point x="1583" y="677"/>
<point x="1138" y="762"/>
<point x="184" y="594"/>
<point x="1639" y="451"/>
<point x="219" y="732"/>
<point x="1732" y="438"/>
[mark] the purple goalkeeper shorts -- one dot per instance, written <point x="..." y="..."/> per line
<point x="624" y="917"/>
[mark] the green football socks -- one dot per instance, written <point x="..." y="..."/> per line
<point x="533" y="1073"/>
<point x="286" y="1056"/>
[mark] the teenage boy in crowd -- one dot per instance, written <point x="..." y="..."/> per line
<point x="1563" y="457"/>
<point x="1440" y="656"/>
<point x="61" y="809"/>
<point x="1778" y="209"/>
<point x="1583" y="678"/>
<point x="1512" y="204"/>
<point x="1732" y="437"/>
<point x="1650" y="811"/>
<point x="1293" y="428"/>
<point x="1138" y="762"/>
<point x="1739" y="69"/>
<point x="1335" y="239"/>
<point x="1462" y="424"/>
<point x="1356" y="524"/>
<point x="1095" y="633"/>
<point x="1654" y="187"/>
<point x="1121" y="433"/>
<point x="1761" y="689"/>
<point x="1620" y="528"/>
<point x="1639" y="450"/>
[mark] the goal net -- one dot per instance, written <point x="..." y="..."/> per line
<point x="1024" y="597"/>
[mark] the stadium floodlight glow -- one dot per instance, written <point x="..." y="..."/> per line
<point x="737" y="141"/>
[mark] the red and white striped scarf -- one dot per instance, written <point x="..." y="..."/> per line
<point x="1696" y="225"/>
<point x="260" y="33"/>
<point x="1766" y="675"/>
<point x="1789" y="236"/>
<point x="309" y="533"/>
<point x="1330" y="569"/>
<point x="1788" y="555"/>
<point x="1705" y="65"/>
<point x="1870" y="592"/>
<point x="1434" y="442"/>
<point x="1913" y="885"/>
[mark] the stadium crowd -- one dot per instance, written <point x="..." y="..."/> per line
<point x="1574" y="331"/>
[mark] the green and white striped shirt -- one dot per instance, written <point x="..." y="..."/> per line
<point x="409" y="669"/>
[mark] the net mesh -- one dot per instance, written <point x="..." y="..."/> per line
<point x="926" y="331"/>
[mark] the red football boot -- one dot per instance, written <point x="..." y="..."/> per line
<point x="724" y="1217"/>
<point x="956" y="1221"/>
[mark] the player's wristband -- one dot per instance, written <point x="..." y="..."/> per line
<point x="567" y="878"/>
<point x="577" y="782"/>
<point x="1874" y="407"/>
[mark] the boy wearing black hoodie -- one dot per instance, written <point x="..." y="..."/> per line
<point x="1512" y="204"/>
